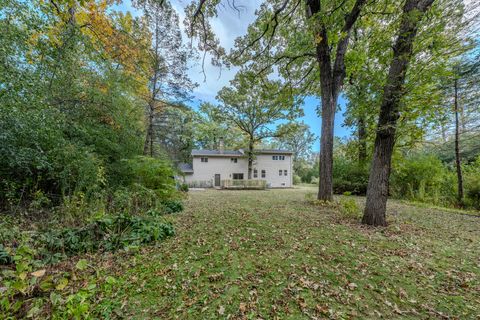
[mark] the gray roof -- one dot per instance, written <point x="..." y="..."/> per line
<point x="238" y="153"/>
<point x="269" y="151"/>
<point x="205" y="152"/>
<point x="185" y="167"/>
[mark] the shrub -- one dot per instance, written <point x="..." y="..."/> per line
<point x="5" y="257"/>
<point x="472" y="184"/>
<point x="349" y="176"/>
<point x="37" y="160"/>
<point x="134" y="199"/>
<point x="153" y="174"/>
<point x="423" y="178"/>
<point x="314" y="180"/>
<point x="296" y="179"/>
<point x="183" y="187"/>
<point x="172" y="206"/>
<point x="109" y="233"/>
<point x="349" y="208"/>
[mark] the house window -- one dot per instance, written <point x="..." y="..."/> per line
<point x="204" y="159"/>
<point x="255" y="173"/>
<point x="275" y="157"/>
<point x="281" y="157"/>
<point x="264" y="174"/>
<point x="234" y="160"/>
<point x="284" y="172"/>
<point x="238" y="176"/>
<point x="280" y="172"/>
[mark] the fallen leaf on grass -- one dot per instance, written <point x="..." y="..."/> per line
<point x="221" y="310"/>
<point x="39" y="273"/>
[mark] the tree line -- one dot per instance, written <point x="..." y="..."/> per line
<point x="84" y="87"/>
<point x="389" y="58"/>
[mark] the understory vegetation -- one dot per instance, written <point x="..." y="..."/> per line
<point x="279" y="254"/>
<point x="418" y="175"/>
<point x="73" y="177"/>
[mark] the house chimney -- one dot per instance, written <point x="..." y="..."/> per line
<point x="221" y="146"/>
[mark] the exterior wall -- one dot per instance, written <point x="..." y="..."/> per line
<point x="204" y="172"/>
<point x="271" y="167"/>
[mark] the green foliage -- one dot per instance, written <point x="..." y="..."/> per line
<point x="68" y="112"/>
<point x="27" y="291"/>
<point x="472" y="183"/>
<point x="108" y="233"/>
<point x="349" y="176"/>
<point x="183" y="187"/>
<point x="172" y="206"/>
<point x="349" y="207"/>
<point x="5" y="257"/>
<point x="423" y="178"/>
<point x="297" y="179"/>
<point x="153" y="174"/>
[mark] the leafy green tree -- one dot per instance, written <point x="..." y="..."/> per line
<point x="166" y="66"/>
<point x="70" y="100"/>
<point x="175" y="132"/>
<point x="298" y="139"/>
<point x="254" y="104"/>
<point x="210" y="128"/>
<point x="377" y="191"/>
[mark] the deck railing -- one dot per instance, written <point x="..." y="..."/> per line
<point x="244" y="184"/>
<point x="200" y="184"/>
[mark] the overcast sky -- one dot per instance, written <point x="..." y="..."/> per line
<point x="228" y="26"/>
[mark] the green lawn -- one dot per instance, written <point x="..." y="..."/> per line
<point x="273" y="255"/>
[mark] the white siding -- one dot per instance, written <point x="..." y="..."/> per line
<point x="271" y="167"/>
<point x="205" y="171"/>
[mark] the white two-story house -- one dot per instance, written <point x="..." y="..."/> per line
<point x="210" y="167"/>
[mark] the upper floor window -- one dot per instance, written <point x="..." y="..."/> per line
<point x="204" y="159"/>
<point x="280" y="172"/>
<point x="278" y="157"/>
<point x="264" y="173"/>
<point x="275" y="157"/>
<point x="234" y="160"/>
<point x="284" y="172"/>
<point x="255" y="173"/>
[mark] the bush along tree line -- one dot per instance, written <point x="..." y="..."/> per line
<point x="80" y="99"/>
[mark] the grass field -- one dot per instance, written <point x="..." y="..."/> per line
<point x="273" y="255"/>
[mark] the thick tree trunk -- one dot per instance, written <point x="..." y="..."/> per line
<point x="457" y="147"/>
<point x="362" y="141"/>
<point x="325" y="188"/>
<point x="377" y="191"/>
<point x="331" y="81"/>
<point x="250" y="157"/>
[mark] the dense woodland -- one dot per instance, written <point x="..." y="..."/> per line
<point x="96" y="113"/>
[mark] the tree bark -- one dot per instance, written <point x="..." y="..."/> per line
<point x="457" y="146"/>
<point x="250" y="157"/>
<point x="331" y="81"/>
<point x="362" y="141"/>
<point x="377" y="190"/>
<point x="148" y="145"/>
